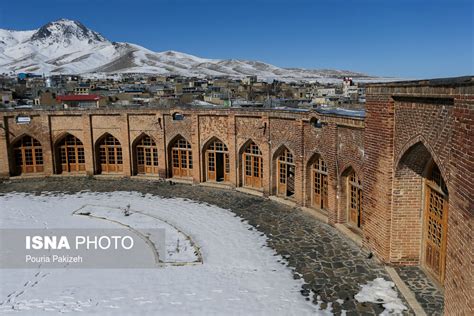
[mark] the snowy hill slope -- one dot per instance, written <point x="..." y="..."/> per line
<point x="66" y="46"/>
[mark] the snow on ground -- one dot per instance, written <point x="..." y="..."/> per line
<point x="179" y="248"/>
<point x="236" y="273"/>
<point x="239" y="274"/>
<point x="381" y="291"/>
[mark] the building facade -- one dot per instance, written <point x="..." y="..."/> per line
<point x="400" y="178"/>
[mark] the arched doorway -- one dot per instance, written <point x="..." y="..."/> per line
<point x="181" y="158"/>
<point x="28" y="156"/>
<point x="110" y="155"/>
<point x="420" y="212"/>
<point x="435" y="226"/>
<point x="217" y="163"/>
<point x="354" y="199"/>
<point x="285" y="173"/>
<point x="319" y="184"/>
<point x="70" y="155"/>
<point x="252" y="160"/>
<point x="146" y="156"/>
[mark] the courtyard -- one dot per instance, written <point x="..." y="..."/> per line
<point x="258" y="256"/>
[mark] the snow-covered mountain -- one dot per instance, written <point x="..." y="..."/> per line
<point x="66" y="46"/>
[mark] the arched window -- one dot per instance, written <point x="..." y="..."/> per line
<point x="217" y="162"/>
<point x="71" y="154"/>
<point x="435" y="222"/>
<point x="28" y="155"/>
<point x="181" y="158"/>
<point x="110" y="155"/>
<point x="319" y="197"/>
<point x="253" y="166"/>
<point x="286" y="173"/>
<point x="146" y="156"/>
<point x="355" y="199"/>
<point x="177" y="116"/>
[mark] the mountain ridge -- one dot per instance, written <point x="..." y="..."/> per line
<point x="68" y="47"/>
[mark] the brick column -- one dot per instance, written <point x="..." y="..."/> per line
<point x="47" y="145"/>
<point x="300" y="166"/>
<point x="161" y="144"/>
<point x="377" y="176"/>
<point x="459" y="296"/>
<point x="233" y="150"/>
<point x="126" y="151"/>
<point x="333" y="174"/>
<point x="267" y="157"/>
<point x="4" y="161"/>
<point x="197" y="163"/>
<point x="87" y="141"/>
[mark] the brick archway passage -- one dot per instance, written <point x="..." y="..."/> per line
<point x="333" y="267"/>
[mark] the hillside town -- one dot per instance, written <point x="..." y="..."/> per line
<point x="28" y="90"/>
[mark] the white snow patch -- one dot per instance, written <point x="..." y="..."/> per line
<point x="380" y="291"/>
<point x="239" y="274"/>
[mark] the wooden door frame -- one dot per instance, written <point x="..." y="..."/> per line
<point x="21" y="169"/>
<point x="252" y="169"/>
<point x="427" y="186"/>
<point x="359" y="190"/>
<point x="323" y="197"/>
<point x="59" y="149"/>
<point x="138" y="146"/>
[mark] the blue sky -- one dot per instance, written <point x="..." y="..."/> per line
<point x="402" y="38"/>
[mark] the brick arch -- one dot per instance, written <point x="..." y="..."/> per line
<point x="240" y="164"/>
<point x="57" y="159"/>
<point x="58" y="138"/>
<point x="97" y="144"/>
<point x="140" y="136"/>
<point x="207" y="173"/>
<point x="409" y="199"/>
<point x="190" y="157"/>
<point x="343" y="190"/>
<point x="19" y="137"/>
<point x="308" y="171"/>
<point x="211" y="139"/>
<point x="347" y="168"/>
<point x="422" y="140"/>
<point x="174" y="139"/>
<point x="20" y="163"/>
<point x="280" y="149"/>
<point x="316" y="154"/>
<point x="244" y="146"/>
<point x="275" y="172"/>
<point x="105" y="134"/>
<point x="134" y="154"/>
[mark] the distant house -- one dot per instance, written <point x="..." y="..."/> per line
<point x="6" y="96"/>
<point x="79" y="101"/>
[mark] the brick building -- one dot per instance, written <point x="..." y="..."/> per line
<point x="400" y="179"/>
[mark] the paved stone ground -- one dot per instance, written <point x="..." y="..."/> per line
<point x="331" y="265"/>
<point x="427" y="293"/>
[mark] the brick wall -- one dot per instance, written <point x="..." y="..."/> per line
<point x="408" y="127"/>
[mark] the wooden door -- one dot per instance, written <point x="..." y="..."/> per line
<point x="282" y="178"/>
<point x="176" y="158"/>
<point x="435" y="232"/>
<point x="182" y="163"/>
<point x="320" y="190"/>
<point x="28" y="156"/>
<point x="355" y="200"/>
<point x="253" y="171"/>
<point x="226" y="167"/>
<point x="211" y="165"/>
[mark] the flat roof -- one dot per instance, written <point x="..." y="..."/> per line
<point x="446" y="82"/>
